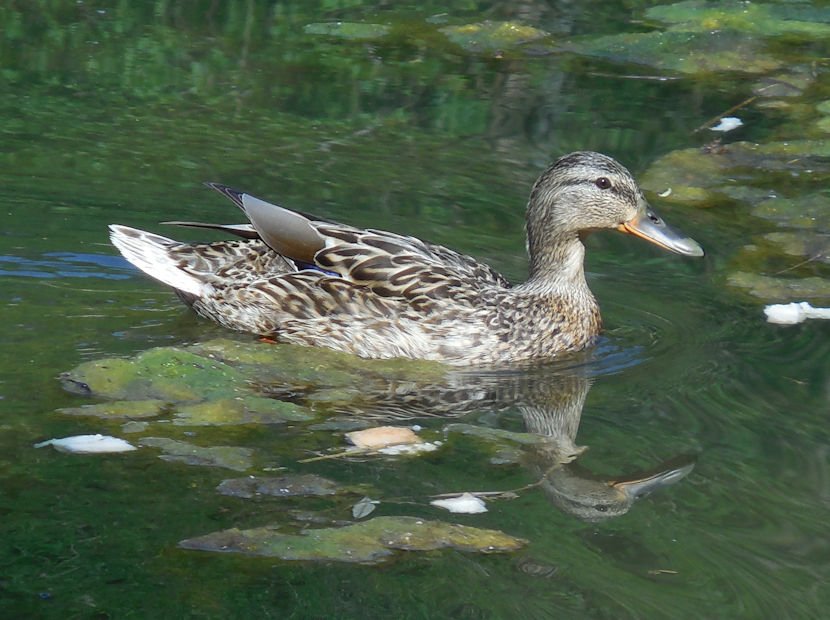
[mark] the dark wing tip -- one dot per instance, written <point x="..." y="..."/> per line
<point x="234" y="194"/>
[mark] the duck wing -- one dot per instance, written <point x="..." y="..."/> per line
<point x="388" y="264"/>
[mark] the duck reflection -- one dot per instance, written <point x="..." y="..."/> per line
<point x="550" y="401"/>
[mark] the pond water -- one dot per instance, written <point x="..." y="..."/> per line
<point x="431" y="119"/>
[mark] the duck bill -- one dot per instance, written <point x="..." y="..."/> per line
<point x="649" y="226"/>
<point x="643" y="485"/>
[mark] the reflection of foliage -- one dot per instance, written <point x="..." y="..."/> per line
<point x="214" y="53"/>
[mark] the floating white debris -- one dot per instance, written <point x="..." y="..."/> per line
<point x="727" y="123"/>
<point x="666" y="193"/>
<point x="796" y="312"/>
<point x="88" y="444"/>
<point x="411" y="448"/>
<point x="466" y="503"/>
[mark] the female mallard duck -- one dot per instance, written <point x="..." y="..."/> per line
<point x="298" y="279"/>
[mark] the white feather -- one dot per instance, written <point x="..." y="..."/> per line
<point x="150" y="253"/>
<point x="88" y="444"/>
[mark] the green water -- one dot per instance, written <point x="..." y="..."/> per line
<point x="117" y="112"/>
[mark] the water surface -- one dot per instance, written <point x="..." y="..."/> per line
<point x="118" y="113"/>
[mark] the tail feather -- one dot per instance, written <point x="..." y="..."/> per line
<point x="151" y="254"/>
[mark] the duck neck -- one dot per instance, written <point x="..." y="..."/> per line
<point x="558" y="265"/>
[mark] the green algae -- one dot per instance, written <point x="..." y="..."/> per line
<point x="367" y="542"/>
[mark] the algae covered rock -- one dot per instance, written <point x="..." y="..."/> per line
<point x="748" y="17"/>
<point x="240" y="410"/>
<point x="226" y="382"/>
<point x="492" y="36"/>
<point x="368" y="542"/>
<point x="682" y="52"/>
<point x="170" y="374"/>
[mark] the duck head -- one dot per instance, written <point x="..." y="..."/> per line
<point x="586" y="191"/>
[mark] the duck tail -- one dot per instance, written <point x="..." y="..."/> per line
<point x="152" y="254"/>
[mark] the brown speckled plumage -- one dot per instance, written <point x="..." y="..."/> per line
<point x="377" y="294"/>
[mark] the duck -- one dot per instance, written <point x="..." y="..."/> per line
<point x="291" y="277"/>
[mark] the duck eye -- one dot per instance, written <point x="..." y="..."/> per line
<point x="603" y="183"/>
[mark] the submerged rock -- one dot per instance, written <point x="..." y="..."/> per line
<point x="127" y="409"/>
<point x="770" y="288"/>
<point x="240" y="410"/>
<point x="290" y="485"/>
<point x="224" y="368"/>
<point x="754" y="177"/>
<point x="367" y="542"/>
<point x="229" y="457"/>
